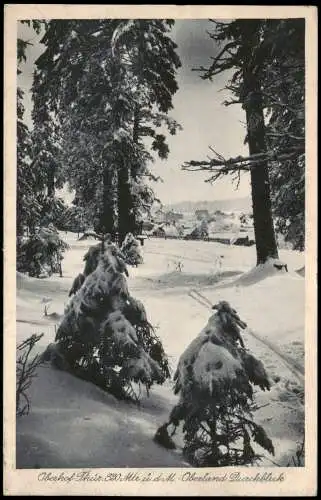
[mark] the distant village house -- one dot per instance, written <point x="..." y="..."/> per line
<point x="202" y="214"/>
<point x="165" y="231"/>
<point x="172" y="217"/>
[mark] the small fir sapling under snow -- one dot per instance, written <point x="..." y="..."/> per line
<point x="131" y="251"/>
<point x="104" y="336"/>
<point x="214" y="379"/>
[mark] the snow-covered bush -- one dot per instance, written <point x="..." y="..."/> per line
<point x="130" y="250"/>
<point x="41" y="253"/>
<point x="104" y="335"/>
<point x="214" y="380"/>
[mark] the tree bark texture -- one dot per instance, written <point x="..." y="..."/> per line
<point x="261" y="201"/>
<point x="108" y="219"/>
<point x="51" y="180"/>
<point x="126" y="216"/>
<point x="265" y="240"/>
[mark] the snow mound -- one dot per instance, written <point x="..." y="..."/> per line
<point x="270" y="268"/>
<point x="35" y="450"/>
<point x="73" y="423"/>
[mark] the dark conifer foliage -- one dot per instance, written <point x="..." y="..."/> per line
<point x="108" y="85"/>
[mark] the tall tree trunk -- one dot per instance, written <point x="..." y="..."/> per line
<point x="134" y="167"/>
<point x="126" y="216"/>
<point x="107" y="222"/>
<point x="266" y="246"/>
<point x="136" y="124"/>
<point x="51" y="180"/>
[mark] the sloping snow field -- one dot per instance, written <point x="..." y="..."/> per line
<point x="74" y="424"/>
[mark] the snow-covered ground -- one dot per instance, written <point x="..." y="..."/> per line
<point x="75" y="424"/>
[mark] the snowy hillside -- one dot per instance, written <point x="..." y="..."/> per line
<point x="74" y="424"/>
<point x="234" y="204"/>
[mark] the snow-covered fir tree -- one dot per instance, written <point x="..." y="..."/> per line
<point x="28" y="206"/>
<point x="105" y="336"/>
<point x="214" y="380"/>
<point x="117" y="79"/>
<point x="45" y="139"/>
<point x="41" y="250"/>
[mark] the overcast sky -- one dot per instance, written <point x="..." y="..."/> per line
<point x="197" y="107"/>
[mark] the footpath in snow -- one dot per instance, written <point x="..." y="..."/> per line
<point x="74" y="424"/>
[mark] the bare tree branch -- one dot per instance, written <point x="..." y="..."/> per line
<point x="285" y="134"/>
<point x="221" y="167"/>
